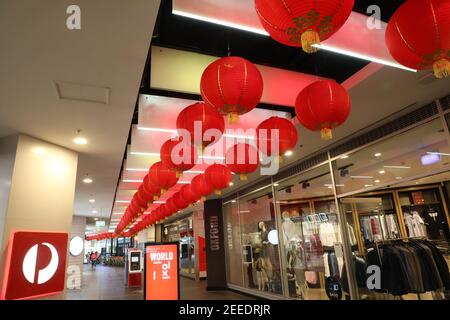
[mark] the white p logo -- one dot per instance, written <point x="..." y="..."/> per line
<point x="29" y="264"/>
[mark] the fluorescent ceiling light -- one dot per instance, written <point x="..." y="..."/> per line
<point x="439" y="153"/>
<point x="123" y="201"/>
<point x="131" y="180"/>
<point x="381" y="172"/>
<point x="159" y="202"/>
<point x="212" y="157"/>
<point x="91" y="200"/>
<point x="397" y="167"/>
<point x="154" y="154"/>
<point x="368" y="185"/>
<point x="194" y="171"/>
<point x="236" y="136"/>
<point x="220" y="22"/>
<point x="288" y="153"/>
<point x="378" y="154"/>
<point x="362" y="56"/>
<point x="399" y="178"/>
<point x="87" y="180"/>
<point x="231" y="184"/>
<point x="157" y="129"/>
<point x="183" y="182"/>
<point x="136" y="169"/>
<point x="344" y="157"/>
<point x="361" y="177"/>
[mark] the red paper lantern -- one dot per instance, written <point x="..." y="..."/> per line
<point x="134" y="209"/>
<point x="189" y="195"/>
<point x="207" y="116"/>
<point x="145" y="195"/>
<point x="286" y="139"/>
<point x="162" y="176"/>
<point x="139" y="202"/>
<point x="180" y="202"/>
<point x="232" y="85"/>
<point x="201" y="187"/>
<point x="323" y="105"/>
<point x="218" y="176"/>
<point x="178" y="155"/>
<point x="418" y="35"/>
<point x="150" y="188"/>
<point x="242" y="158"/>
<point x="171" y="205"/>
<point x="303" y="23"/>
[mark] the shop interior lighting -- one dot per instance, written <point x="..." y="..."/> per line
<point x="361" y="177"/>
<point x="439" y="153"/>
<point x="397" y="167"/>
<point x="288" y="153"/>
<point x="88" y="180"/>
<point x="345" y="156"/>
<point x="381" y="172"/>
<point x="378" y="154"/>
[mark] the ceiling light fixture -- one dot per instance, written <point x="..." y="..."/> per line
<point x="91" y="200"/>
<point x="183" y="182"/>
<point x="123" y="201"/>
<point x="136" y="169"/>
<point x="289" y="153"/>
<point x="94" y="212"/>
<point x="381" y="172"/>
<point x="231" y="183"/>
<point x="131" y="180"/>
<point x="361" y="177"/>
<point x="439" y="153"/>
<point x="361" y="56"/>
<point x="88" y="180"/>
<point x="157" y="129"/>
<point x="153" y="154"/>
<point x="368" y="185"/>
<point x="377" y="181"/>
<point x="220" y="22"/>
<point x="275" y="184"/>
<point x="397" y="167"/>
<point x="80" y="140"/>
<point x="345" y="156"/>
<point x="378" y="154"/>
<point x="159" y="202"/>
<point x="399" y="178"/>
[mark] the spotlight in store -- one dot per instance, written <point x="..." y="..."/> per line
<point x="288" y="153"/>
<point x="377" y="181"/>
<point x="430" y="158"/>
<point x="275" y="184"/>
<point x="381" y="172"/>
<point x="345" y="156"/>
<point x="92" y="200"/>
<point x="79" y="139"/>
<point x="378" y="154"/>
<point x="88" y="180"/>
<point x="231" y="183"/>
<point x="398" y="178"/>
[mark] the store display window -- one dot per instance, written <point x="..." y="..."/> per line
<point x="236" y="253"/>
<point x="259" y="240"/>
<point x="312" y="238"/>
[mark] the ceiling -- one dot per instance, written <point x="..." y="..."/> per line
<point x="50" y="76"/>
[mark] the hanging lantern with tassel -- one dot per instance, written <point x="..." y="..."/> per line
<point x="162" y="176"/>
<point x="286" y="137"/>
<point x="218" y="176"/>
<point x="303" y="23"/>
<point x="150" y="188"/>
<point x="418" y="35"/>
<point x="200" y="114"/>
<point x="189" y="195"/>
<point x="178" y="155"/>
<point x="232" y="85"/>
<point x="323" y="105"/>
<point x="201" y="187"/>
<point x="242" y="159"/>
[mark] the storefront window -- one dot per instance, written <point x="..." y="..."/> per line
<point x="311" y="234"/>
<point x="395" y="191"/>
<point x="261" y="260"/>
<point x="234" y="251"/>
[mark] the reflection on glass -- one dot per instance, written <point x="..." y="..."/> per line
<point x="421" y="150"/>
<point x="261" y="263"/>
<point x="311" y="234"/>
<point x="233" y="244"/>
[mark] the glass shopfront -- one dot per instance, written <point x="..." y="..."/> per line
<point x="383" y="205"/>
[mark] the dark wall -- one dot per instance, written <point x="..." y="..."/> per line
<point x="215" y="246"/>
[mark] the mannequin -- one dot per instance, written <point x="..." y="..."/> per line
<point x="265" y="250"/>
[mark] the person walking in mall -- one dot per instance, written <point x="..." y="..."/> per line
<point x="93" y="259"/>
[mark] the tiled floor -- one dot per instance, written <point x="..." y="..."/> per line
<point x="108" y="283"/>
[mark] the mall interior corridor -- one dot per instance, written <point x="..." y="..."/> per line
<point x="108" y="283"/>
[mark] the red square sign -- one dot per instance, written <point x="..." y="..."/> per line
<point x="35" y="265"/>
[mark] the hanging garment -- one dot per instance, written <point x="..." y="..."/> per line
<point x="376" y="228"/>
<point x="327" y="234"/>
<point x="434" y="223"/>
<point x="351" y="234"/>
<point x="367" y="229"/>
<point x="391" y="226"/>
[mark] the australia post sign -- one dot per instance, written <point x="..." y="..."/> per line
<point x="161" y="271"/>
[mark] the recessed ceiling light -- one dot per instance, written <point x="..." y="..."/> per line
<point x="275" y="184"/>
<point x="288" y="153"/>
<point x="377" y="181"/>
<point x="88" y="180"/>
<point x="91" y="200"/>
<point x="361" y="177"/>
<point x="345" y="157"/>
<point x="231" y="183"/>
<point x="381" y="172"/>
<point x="368" y="185"/>
<point x="398" y="167"/>
<point x="80" y="140"/>
<point x="94" y="212"/>
<point x="378" y="154"/>
<point x="233" y="201"/>
<point x="398" y="178"/>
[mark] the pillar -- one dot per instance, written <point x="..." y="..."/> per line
<point x="37" y="188"/>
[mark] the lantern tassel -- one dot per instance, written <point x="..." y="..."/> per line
<point x="233" y="117"/>
<point x="326" y="134"/>
<point x="155" y="197"/>
<point x="178" y="174"/>
<point x="441" y="68"/>
<point x="218" y="192"/>
<point x="242" y="177"/>
<point x="309" y="38"/>
<point x="163" y="191"/>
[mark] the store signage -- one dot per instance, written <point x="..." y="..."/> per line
<point x="161" y="271"/>
<point x="134" y="261"/>
<point x="333" y="288"/>
<point x="35" y="265"/>
<point x="214" y="233"/>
